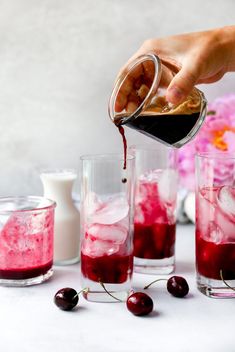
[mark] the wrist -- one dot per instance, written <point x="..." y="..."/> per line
<point x="227" y="39"/>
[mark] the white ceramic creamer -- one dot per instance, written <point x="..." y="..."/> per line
<point x="58" y="187"/>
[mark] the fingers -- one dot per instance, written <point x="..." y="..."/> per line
<point x="135" y="87"/>
<point x="183" y="82"/>
<point x="212" y="79"/>
<point x="126" y="92"/>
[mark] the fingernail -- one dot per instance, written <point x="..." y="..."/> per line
<point x="175" y="95"/>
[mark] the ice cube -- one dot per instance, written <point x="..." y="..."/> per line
<point x="97" y="248"/>
<point x="139" y="215"/>
<point x="226" y="201"/>
<point x="92" y="203"/>
<point x="151" y="176"/>
<point x="113" y="211"/>
<point x="124" y="223"/>
<point x="205" y="211"/>
<point x="145" y="190"/>
<point x="167" y="186"/>
<point x="215" y="233"/>
<point x="112" y="233"/>
<point x="148" y="209"/>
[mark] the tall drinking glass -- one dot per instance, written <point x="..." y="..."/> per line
<point x="215" y="224"/>
<point x="107" y="192"/>
<point x="155" y="209"/>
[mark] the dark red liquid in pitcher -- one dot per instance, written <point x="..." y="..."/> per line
<point x="165" y="128"/>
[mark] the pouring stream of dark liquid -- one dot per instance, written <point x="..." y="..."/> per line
<point x="122" y="132"/>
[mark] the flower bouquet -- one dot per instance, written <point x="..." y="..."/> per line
<point x="216" y="135"/>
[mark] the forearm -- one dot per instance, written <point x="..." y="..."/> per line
<point x="226" y="35"/>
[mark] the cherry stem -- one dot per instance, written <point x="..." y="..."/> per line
<point x="85" y="290"/>
<point x="110" y="294"/>
<point x="221" y="275"/>
<point x="153" y="282"/>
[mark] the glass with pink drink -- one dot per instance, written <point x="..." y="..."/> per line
<point x="107" y="226"/>
<point x="26" y="240"/>
<point x="155" y="209"/>
<point x="215" y="224"/>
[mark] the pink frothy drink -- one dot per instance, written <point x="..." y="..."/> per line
<point x="26" y="240"/>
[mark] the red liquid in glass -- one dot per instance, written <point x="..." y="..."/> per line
<point x="111" y="269"/>
<point x="212" y="258"/>
<point x="25" y="273"/>
<point x="215" y="233"/>
<point x="156" y="241"/>
<point x="154" y="231"/>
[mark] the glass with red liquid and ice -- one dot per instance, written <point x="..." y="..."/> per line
<point x="26" y="240"/>
<point x="215" y="224"/>
<point x="155" y="208"/>
<point x="107" y="192"/>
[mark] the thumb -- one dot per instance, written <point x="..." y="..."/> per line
<point x="182" y="84"/>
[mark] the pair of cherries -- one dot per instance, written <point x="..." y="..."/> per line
<point x="138" y="303"/>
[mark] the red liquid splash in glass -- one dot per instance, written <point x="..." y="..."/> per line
<point x="122" y="132"/>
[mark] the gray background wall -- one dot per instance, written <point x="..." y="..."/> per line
<point x="58" y="60"/>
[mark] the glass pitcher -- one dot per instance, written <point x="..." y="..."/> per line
<point x="138" y="101"/>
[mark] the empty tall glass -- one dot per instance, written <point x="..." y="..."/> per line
<point x="107" y="226"/>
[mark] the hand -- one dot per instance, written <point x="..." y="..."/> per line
<point x="202" y="57"/>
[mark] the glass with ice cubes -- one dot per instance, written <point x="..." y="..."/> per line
<point x="155" y="208"/>
<point x="215" y="224"/>
<point x="26" y="240"/>
<point x="107" y="192"/>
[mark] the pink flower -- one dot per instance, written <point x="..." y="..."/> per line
<point x="216" y="135"/>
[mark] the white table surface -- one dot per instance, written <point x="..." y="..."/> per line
<point x="30" y="322"/>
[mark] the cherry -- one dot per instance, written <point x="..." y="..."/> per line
<point x="177" y="286"/>
<point x="139" y="303"/>
<point x="66" y="298"/>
